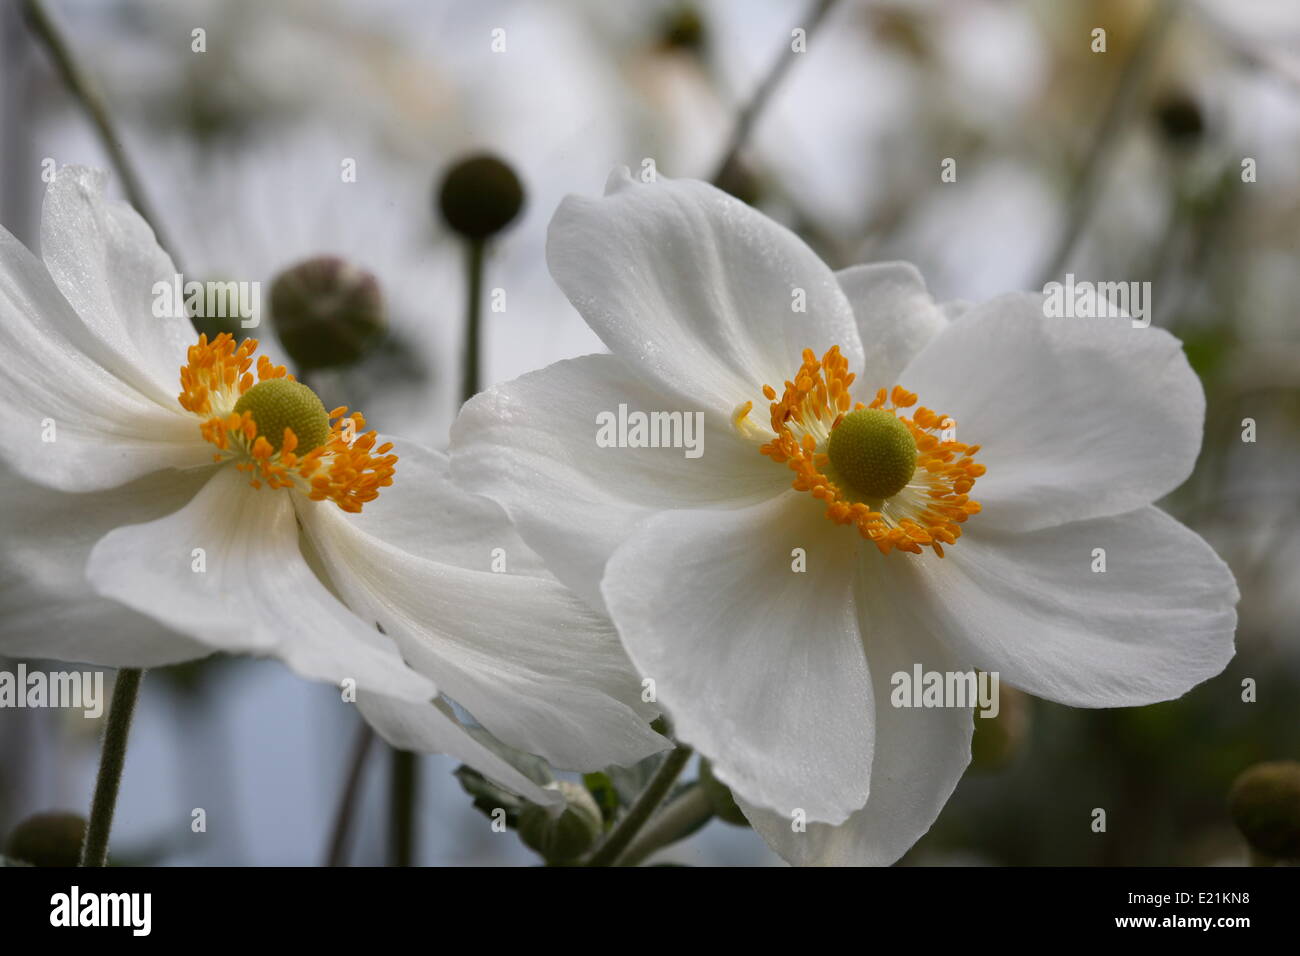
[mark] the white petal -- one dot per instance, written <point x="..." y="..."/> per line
<point x="921" y="753"/>
<point x="761" y="667"/>
<point x="47" y="608"/>
<point x="257" y="594"/>
<point x="433" y="728"/>
<point x="533" y="663"/>
<point x="1077" y="418"/>
<point x="1157" y="622"/>
<point x="896" y="319"/>
<point x="105" y="260"/>
<point x="104" y="431"/>
<point x="530" y="445"/>
<point x="696" y="288"/>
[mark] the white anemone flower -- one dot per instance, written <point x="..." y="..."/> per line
<point x="836" y="532"/>
<point x="150" y="474"/>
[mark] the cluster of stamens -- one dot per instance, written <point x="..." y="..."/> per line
<point x="926" y="511"/>
<point x="342" y="465"/>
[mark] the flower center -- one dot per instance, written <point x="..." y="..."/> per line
<point x="281" y="404"/>
<point x="872" y="453"/>
<point x="277" y="430"/>
<point x="903" y="482"/>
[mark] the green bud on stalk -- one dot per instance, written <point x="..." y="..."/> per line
<point x="562" y="835"/>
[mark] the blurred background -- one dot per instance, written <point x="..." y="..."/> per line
<point x="1118" y="165"/>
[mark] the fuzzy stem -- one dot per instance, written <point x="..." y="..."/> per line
<point x="112" y="757"/>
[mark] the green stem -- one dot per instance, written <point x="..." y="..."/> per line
<point x="401" y="820"/>
<point x="75" y="79"/>
<point x="112" y="757"/>
<point x="609" y="852"/>
<point x="469" y="382"/>
<point x="676" y="821"/>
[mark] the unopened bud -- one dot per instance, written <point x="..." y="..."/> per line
<point x="48" y="839"/>
<point x="326" y="312"/>
<point x="562" y="834"/>
<point x="480" y="196"/>
<point x="1265" y="805"/>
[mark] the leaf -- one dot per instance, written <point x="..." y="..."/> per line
<point x="488" y="797"/>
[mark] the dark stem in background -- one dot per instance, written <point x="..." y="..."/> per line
<point x="338" y="848"/>
<point x="401" y="819"/>
<point x="112" y="757"/>
<point x="92" y="102"/>
<point x="475" y="250"/>
<point x="750" y="113"/>
<point x="610" y="852"/>
<point x="1122" y="104"/>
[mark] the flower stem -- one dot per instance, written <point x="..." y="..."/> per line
<point x="1120" y="108"/>
<point x="348" y="799"/>
<point x="609" y="853"/>
<point x="749" y="114"/>
<point x="676" y="821"/>
<point x="401" y="821"/>
<point x="112" y="757"/>
<point x="469" y="381"/>
<point x="80" y="86"/>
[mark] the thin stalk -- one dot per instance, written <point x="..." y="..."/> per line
<point x="112" y="757"/>
<point x="1122" y="103"/>
<point x="676" y="821"/>
<point x="470" y="372"/>
<point x="609" y="852"/>
<point x="401" y="820"/>
<point x="749" y="114"/>
<point x="338" y="846"/>
<point x="85" y="92"/>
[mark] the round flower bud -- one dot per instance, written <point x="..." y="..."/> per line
<point x="48" y="839"/>
<point x="683" y="29"/>
<point x="480" y="196"/>
<point x="724" y="804"/>
<point x="1179" y="119"/>
<point x="1265" y="805"/>
<point x="561" y="836"/>
<point x="326" y="312"/>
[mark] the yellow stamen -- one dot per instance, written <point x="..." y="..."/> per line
<point x="927" y="511"/>
<point x="344" y="467"/>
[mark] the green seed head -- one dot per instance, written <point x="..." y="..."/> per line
<point x="872" y="453"/>
<point x="279" y="403"/>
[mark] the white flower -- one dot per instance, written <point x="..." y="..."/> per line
<point x="230" y="515"/>
<point x="1066" y="431"/>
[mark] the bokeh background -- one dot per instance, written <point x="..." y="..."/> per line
<point x="1123" y="165"/>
